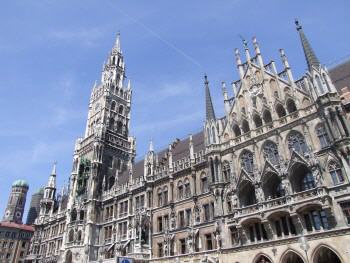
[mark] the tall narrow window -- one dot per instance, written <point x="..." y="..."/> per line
<point x="319" y="84"/>
<point x="322" y="136"/>
<point x="247" y="161"/>
<point x="270" y="152"/>
<point x="226" y="171"/>
<point x="336" y="173"/>
<point x="297" y="143"/>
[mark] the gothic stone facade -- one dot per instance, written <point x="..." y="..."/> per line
<point x="268" y="182"/>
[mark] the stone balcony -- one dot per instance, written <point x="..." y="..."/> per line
<point x="291" y="203"/>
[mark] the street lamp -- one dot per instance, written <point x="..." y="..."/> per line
<point x="304" y="246"/>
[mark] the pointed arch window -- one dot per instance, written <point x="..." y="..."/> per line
<point x="213" y="134"/>
<point x="297" y="143"/>
<point x="307" y="182"/>
<point x="247" y="161"/>
<point x="322" y="136"/>
<point x="245" y="126"/>
<point x="281" y="112"/>
<point x="236" y="130"/>
<point x="257" y="121"/>
<point x="319" y="85"/>
<point x="121" y="109"/>
<point x="291" y="106"/>
<point x="208" y="136"/>
<point x="165" y="195"/>
<point x="119" y="127"/>
<point x="336" y="173"/>
<point x="226" y="171"/>
<point x="204" y="183"/>
<point x="160" y="197"/>
<point x="187" y="188"/>
<point x="113" y="105"/>
<point x="180" y="190"/>
<point x="326" y="82"/>
<point x="270" y="152"/>
<point x="267" y="116"/>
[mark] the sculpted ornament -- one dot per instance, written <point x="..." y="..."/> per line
<point x="317" y="176"/>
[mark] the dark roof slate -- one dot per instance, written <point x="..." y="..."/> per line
<point x="180" y="150"/>
<point x="340" y="75"/>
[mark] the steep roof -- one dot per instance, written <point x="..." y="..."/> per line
<point x="340" y="75"/>
<point x="17" y="226"/>
<point x="180" y="150"/>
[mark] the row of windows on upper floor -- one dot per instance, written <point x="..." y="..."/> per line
<point x="313" y="220"/>
<point x="119" y="109"/>
<point x="266" y="117"/>
<point x="259" y="121"/>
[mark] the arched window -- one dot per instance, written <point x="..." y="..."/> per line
<point x="71" y="235"/>
<point x="111" y="182"/>
<point x="297" y="143"/>
<point x="272" y="186"/>
<point x="319" y="84"/>
<point x="307" y="182"/>
<point x="119" y="127"/>
<point x="245" y="126"/>
<point x="73" y="215"/>
<point x="187" y="188"/>
<point x="165" y="195"/>
<point x="336" y="173"/>
<point x="81" y="215"/>
<point x="325" y="255"/>
<point x="291" y="106"/>
<point x="226" y="171"/>
<point x="213" y="134"/>
<point x="246" y="194"/>
<point x="79" y="235"/>
<point x="262" y="259"/>
<point x="121" y="109"/>
<point x="270" y="152"/>
<point x="322" y="136"/>
<point x="208" y="135"/>
<point x="326" y="82"/>
<point x="160" y="197"/>
<point x="204" y="183"/>
<point x="236" y="130"/>
<point x="113" y="105"/>
<point x="257" y="121"/>
<point x="267" y="116"/>
<point x="281" y="112"/>
<point x="243" y="110"/>
<point x="247" y="161"/>
<point x="111" y="123"/>
<point x="180" y="190"/>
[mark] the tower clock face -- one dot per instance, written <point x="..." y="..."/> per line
<point x="7" y="214"/>
<point x="18" y="214"/>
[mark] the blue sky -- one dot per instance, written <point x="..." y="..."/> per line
<point x="51" y="52"/>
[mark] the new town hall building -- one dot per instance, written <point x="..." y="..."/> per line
<point x="268" y="182"/>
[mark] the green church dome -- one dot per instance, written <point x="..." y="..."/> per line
<point x="20" y="183"/>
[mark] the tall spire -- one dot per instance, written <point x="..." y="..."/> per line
<point x="210" y="114"/>
<point x="52" y="178"/>
<point x="117" y="43"/>
<point x="310" y="55"/>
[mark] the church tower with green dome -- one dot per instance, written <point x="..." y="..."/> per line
<point x="16" y="202"/>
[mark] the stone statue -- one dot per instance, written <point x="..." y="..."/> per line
<point x="317" y="176"/>
<point x="234" y="201"/>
